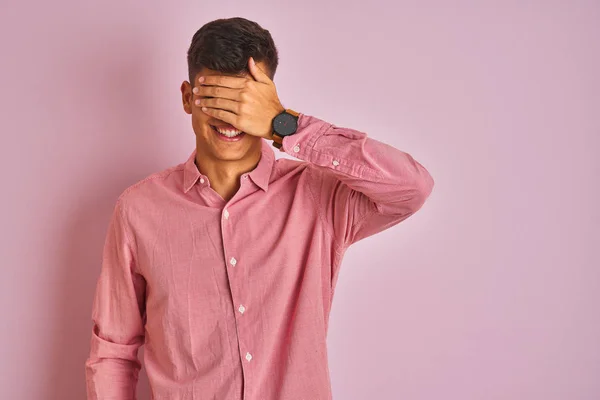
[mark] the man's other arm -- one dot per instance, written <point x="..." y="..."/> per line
<point x="118" y="314"/>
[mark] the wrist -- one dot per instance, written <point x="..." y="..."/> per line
<point x="284" y="124"/>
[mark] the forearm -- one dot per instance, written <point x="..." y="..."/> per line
<point x="390" y="178"/>
<point x="113" y="376"/>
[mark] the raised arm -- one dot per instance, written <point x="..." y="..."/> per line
<point x="362" y="186"/>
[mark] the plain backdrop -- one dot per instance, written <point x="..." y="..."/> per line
<point x="490" y="292"/>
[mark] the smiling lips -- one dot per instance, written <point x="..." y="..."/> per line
<point x="227" y="132"/>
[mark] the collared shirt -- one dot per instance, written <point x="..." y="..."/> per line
<point x="231" y="299"/>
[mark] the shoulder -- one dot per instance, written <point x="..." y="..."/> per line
<point x="150" y="187"/>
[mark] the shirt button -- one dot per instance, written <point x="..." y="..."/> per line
<point x="336" y="163"/>
<point x="226" y="214"/>
<point x="296" y="148"/>
<point x="201" y="180"/>
<point x="233" y="261"/>
<point x="242" y="309"/>
<point x="248" y="356"/>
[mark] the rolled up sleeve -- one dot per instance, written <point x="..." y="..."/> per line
<point x="113" y="365"/>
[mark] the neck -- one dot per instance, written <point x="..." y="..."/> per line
<point x="224" y="176"/>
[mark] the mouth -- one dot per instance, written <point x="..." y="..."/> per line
<point x="228" y="134"/>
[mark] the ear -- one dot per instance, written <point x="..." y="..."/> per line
<point x="186" y="96"/>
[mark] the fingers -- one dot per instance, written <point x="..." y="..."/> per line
<point x="232" y="82"/>
<point x="217" y="91"/>
<point x="219" y="103"/>
<point x="257" y="73"/>
<point x="222" y="115"/>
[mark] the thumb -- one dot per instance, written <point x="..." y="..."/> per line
<point x="256" y="72"/>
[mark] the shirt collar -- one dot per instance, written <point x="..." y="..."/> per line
<point x="259" y="175"/>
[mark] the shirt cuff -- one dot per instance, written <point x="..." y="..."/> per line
<point x="301" y="143"/>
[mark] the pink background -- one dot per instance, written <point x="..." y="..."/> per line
<point x="490" y="292"/>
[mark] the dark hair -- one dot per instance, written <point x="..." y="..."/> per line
<point x="225" y="45"/>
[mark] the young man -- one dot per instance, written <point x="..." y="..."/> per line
<point x="224" y="266"/>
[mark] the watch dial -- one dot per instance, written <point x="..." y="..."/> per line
<point x="285" y="124"/>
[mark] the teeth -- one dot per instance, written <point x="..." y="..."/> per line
<point x="228" y="132"/>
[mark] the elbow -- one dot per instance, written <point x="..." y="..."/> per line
<point x="426" y="184"/>
<point x="414" y="194"/>
<point x="419" y="185"/>
<point x="423" y="187"/>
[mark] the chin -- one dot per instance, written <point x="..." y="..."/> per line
<point x="225" y="152"/>
<point x="230" y="157"/>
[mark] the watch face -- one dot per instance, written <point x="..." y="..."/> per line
<point x="285" y="124"/>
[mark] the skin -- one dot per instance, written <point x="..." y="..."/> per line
<point x="247" y="102"/>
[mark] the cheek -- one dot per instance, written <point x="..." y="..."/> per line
<point x="198" y="121"/>
<point x="199" y="117"/>
<point x="200" y="124"/>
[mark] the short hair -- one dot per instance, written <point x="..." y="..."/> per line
<point x="225" y="45"/>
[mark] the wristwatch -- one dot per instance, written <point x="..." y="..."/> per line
<point x="284" y="124"/>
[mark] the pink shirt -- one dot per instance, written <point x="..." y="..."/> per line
<point x="232" y="298"/>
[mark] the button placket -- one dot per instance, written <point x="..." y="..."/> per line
<point x="241" y="309"/>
